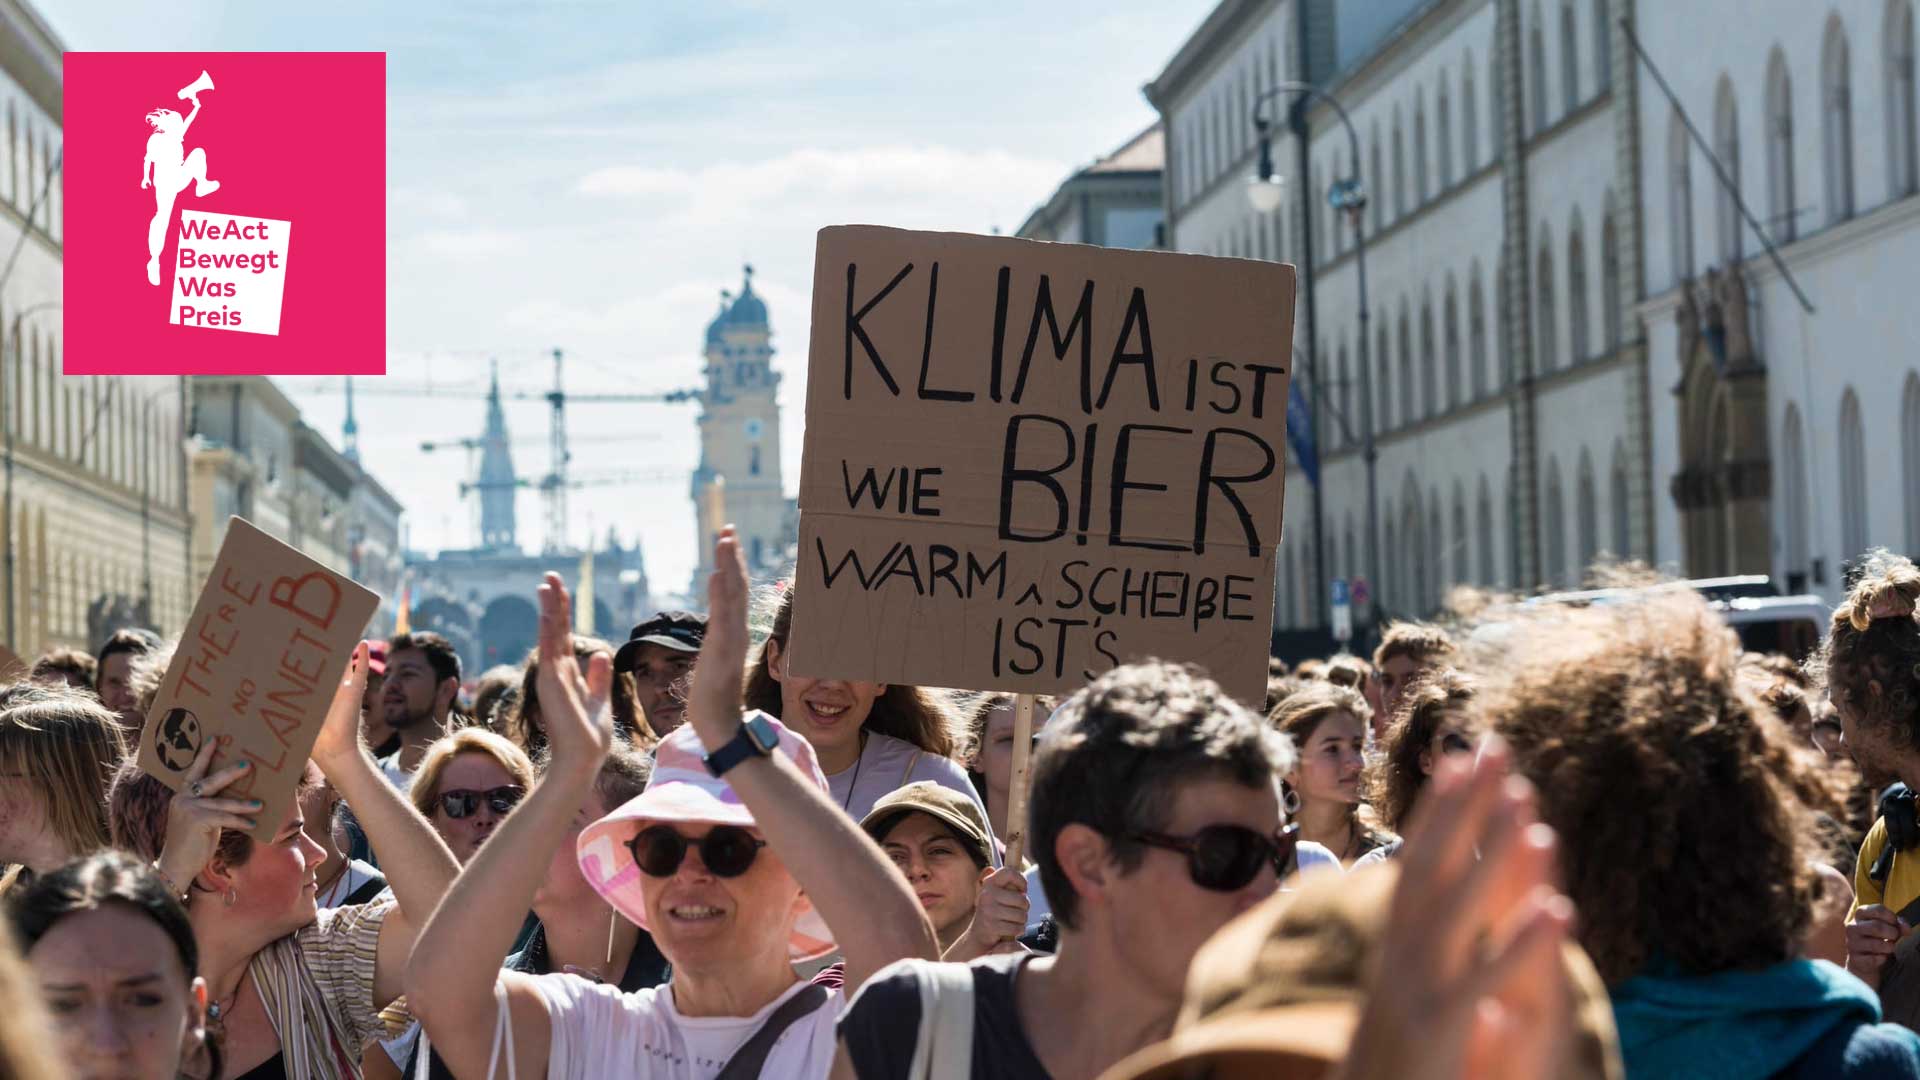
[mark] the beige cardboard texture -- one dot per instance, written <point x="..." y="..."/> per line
<point x="256" y="668"/>
<point x="1026" y="463"/>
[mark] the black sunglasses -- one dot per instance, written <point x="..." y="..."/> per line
<point x="727" y="850"/>
<point x="1224" y="858"/>
<point x="463" y="801"/>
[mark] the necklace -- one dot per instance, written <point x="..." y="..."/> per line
<point x="847" y="803"/>
<point x="217" y="1012"/>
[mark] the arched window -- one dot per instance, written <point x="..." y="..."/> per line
<point x="1579" y="345"/>
<point x="1609" y="280"/>
<point x="1399" y="169"/>
<point x="1502" y="348"/>
<point x="1554" y="523"/>
<point x="1853" y="479"/>
<point x="1376" y="181"/>
<point x="1434" y="553"/>
<point x="1485" y="529"/>
<point x="1726" y="146"/>
<point x="1443" y="133"/>
<point x="1679" y="199"/>
<point x="1469" y="121"/>
<point x="1420" y="189"/>
<point x="1477" y="335"/>
<point x="1383" y="366"/>
<point x="1389" y="590"/>
<point x="1429" y="362"/>
<point x="1901" y="164"/>
<point x="1793" y="491"/>
<point x="1837" y="122"/>
<point x="1569" y="60"/>
<point x="1450" y="345"/>
<point x="1587" y="514"/>
<point x="1410" y="407"/>
<point x="1622" y="514"/>
<point x="1537" y="58"/>
<point x="1459" y="538"/>
<point x="1782" y="215"/>
<point x="1602" y="47"/>
<point x="1910" y="457"/>
<point x="1546" y="330"/>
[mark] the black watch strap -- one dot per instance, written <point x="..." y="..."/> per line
<point x="738" y="749"/>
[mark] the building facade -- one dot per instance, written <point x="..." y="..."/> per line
<point x="738" y="478"/>
<point x="1574" y="344"/>
<point x="1114" y="202"/>
<point x="94" y="503"/>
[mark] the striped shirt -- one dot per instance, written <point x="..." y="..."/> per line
<point x="317" y="984"/>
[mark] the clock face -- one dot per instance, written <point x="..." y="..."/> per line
<point x="753" y="428"/>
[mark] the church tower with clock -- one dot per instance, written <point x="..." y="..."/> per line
<point x="738" y="479"/>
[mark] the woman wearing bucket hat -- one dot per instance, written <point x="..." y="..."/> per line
<point x="734" y="859"/>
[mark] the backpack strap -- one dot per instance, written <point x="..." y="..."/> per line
<point x="943" y="1048"/>
<point x="746" y="1062"/>
<point x="368" y="889"/>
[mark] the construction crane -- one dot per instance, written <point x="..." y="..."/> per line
<point x="549" y="481"/>
<point x="555" y="484"/>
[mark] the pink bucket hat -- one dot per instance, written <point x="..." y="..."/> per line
<point x="683" y="790"/>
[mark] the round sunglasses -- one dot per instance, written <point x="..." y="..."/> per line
<point x="461" y="802"/>
<point x="1224" y="858"/>
<point x="726" y="851"/>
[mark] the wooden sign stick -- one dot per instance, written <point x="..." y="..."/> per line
<point x="1017" y="783"/>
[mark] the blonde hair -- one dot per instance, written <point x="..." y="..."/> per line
<point x="425" y="790"/>
<point x="68" y="745"/>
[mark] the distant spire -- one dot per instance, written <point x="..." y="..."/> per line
<point x="350" y="431"/>
<point x="497" y="482"/>
<point x="748" y="287"/>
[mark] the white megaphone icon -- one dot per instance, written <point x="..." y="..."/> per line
<point x="169" y="168"/>
<point x="192" y="89"/>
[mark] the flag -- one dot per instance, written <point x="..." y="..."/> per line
<point x="583" y="596"/>
<point x="1300" y="433"/>
<point x="401" y="623"/>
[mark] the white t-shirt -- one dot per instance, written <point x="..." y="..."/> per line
<point x="888" y="764"/>
<point x="1316" y="859"/>
<point x="397" y="776"/>
<point x="600" y="1031"/>
<point x="356" y="874"/>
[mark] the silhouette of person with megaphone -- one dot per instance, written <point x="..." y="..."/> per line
<point x="168" y="167"/>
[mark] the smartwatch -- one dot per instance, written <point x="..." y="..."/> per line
<point x="756" y="738"/>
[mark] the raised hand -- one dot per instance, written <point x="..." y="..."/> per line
<point x="339" y="739"/>
<point x="1477" y="986"/>
<point x="574" y="705"/>
<point x="1000" y="915"/>
<point x="713" y="700"/>
<point x="196" y="815"/>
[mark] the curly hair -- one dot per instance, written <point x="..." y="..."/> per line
<point x="1394" y="781"/>
<point x="1870" y="661"/>
<point x="1420" y="641"/>
<point x="1117" y="750"/>
<point x="1649" y="752"/>
<point x="914" y="714"/>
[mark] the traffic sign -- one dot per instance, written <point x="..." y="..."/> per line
<point x="1362" y="592"/>
<point x="1342" y="611"/>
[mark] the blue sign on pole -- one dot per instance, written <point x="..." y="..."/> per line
<point x="1341" y="594"/>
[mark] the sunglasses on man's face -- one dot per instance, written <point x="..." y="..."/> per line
<point x="726" y="851"/>
<point x="1225" y="858"/>
<point x="461" y="802"/>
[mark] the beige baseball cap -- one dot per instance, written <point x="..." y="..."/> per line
<point x="951" y="808"/>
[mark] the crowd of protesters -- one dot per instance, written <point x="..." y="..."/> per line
<point x="1546" y="839"/>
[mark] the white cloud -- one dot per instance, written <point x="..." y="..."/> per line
<point x="413" y="201"/>
<point x="928" y="186"/>
<point x="461" y="243"/>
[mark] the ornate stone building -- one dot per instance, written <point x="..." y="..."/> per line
<point x="1576" y="342"/>
<point x="738" y="479"/>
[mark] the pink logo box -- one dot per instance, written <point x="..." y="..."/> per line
<point x="257" y="244"/>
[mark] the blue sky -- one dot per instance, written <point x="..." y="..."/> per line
<point x="589" y="175"/>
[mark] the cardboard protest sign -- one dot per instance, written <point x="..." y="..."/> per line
<point x="255" y="670"/>
<point x="1026" y="463"/>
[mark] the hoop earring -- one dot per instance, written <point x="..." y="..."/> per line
<point x="1291" y="802"/>
<point x="231" y="897"/>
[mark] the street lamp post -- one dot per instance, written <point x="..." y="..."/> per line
<point x="1349" y="195"/>
<point x="9" y="405"/>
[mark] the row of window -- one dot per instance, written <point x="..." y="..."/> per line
<point x="1835" y="102"/>
<point x="57" y="583"/>
<point x="1427" y="549"/>
<point x="99" y="422"/>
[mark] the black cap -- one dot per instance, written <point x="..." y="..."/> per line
<point x="679" y="630"/>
